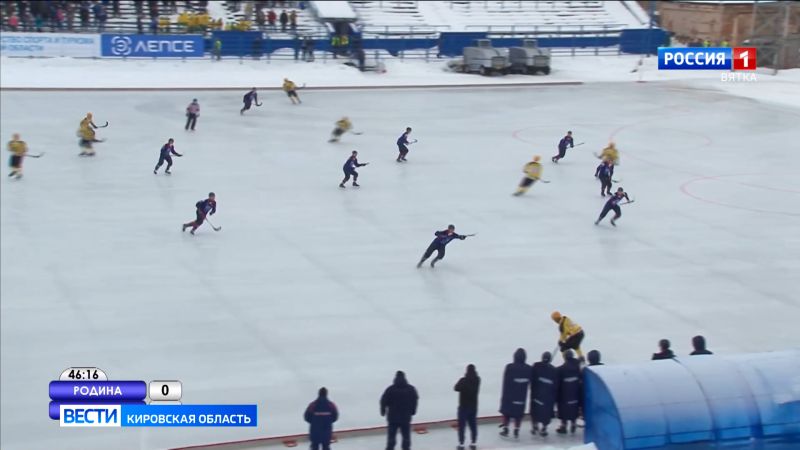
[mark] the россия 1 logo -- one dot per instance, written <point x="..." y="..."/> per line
<point x="707" y="58"/>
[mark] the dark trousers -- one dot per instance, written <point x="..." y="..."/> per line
<point x="434" y="247"/>
<point x="574" y="341"/>
<point x="605" y="185"/>
<point x="562" y="152"/>
<point x="191" y="120"/>
<point x="526" y="182"/>
<point x="15" y="162"/>
<point x="200" y="217"/>
<point x="246" y="106"/>
<point x="467" y="417"/>
<point x="403" y="150"/>
<point x="608" y="208"/>
<point x="161" y="160"/>
<point x="321" y="445"/>
<point x="405" y="433"/>
<point x="507" y="420"/>
<point x="348" y="173"/>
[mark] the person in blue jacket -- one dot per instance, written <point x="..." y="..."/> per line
<point x="565" y="142"/>
<point x="569" y="392"/>
<point x="202" y="209"/>
<point x="439" y="243"/>
<point x="167" y="150"/>
<point x="249" y="98"/>
<point x="398" y="404"/>
<point x="604" y="172"/>
<point x="402" y="145"/>
<point x="516" y="378"/>
<point x="349" y="169"/>
<point x="544" y="391"/>
<point x="321" y="414"/>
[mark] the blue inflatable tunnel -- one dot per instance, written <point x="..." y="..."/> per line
<point x="699" y="402"/>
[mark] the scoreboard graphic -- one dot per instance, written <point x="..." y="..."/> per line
<point x="85" y="397"/>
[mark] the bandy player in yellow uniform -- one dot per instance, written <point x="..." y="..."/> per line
<point x="18" y="149"/>
<point x="533" y="172"/>
<point x="87" y="135"/>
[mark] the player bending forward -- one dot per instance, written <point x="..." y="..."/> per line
<point x="202" y="208"/>
<point x="612" y="204"/>
<point x="562" y="147"/>
<point x="402" y="145"/>
<point x="342" y="126"/>
<point x="533" y="171"/>
<point x="87" y="135"/>
<point x="349" y="169"/>
<point x="570" y="335"/>
<point x="439" y="243"/>
<point x="248" y="99"/>
<point x="291" y="91"/>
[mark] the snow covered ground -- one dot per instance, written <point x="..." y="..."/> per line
<point x="310" y="285"/>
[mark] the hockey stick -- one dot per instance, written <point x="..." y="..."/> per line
<point x="102" y="126"/>
<point x="615" y="181"/>
<point x="470" y="235"/>
<point x="628" y="202"/>
<point x="413" y="142"/>
<point x="212" y="226"/>
<point x="545" y="181"/>
<point x="32" y="155"/>
<point x="579" y="144"/>
<point x="357" y="133"/>
<point x="258" y="104"/>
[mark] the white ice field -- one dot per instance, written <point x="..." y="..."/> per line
<point x="309" y="285"/>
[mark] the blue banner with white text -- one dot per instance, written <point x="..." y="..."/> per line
<point x="151" y="46"/>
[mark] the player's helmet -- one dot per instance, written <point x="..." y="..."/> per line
<point x="89" y="115"/>
<point x="536" y="158"/>
<point x="556" y="316"/>
<point x="212" y="195"/>
<point x="451" y="227"/>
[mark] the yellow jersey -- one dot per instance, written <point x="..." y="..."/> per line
<point x="18" y="148"/>
<point x="533" y="170"/>
<point x="568" y="328"/>
<point x="289" y="86"/>
<point x="610" y="154"/>
<point x="344" y="124"/>
<point x="86" y="130"/>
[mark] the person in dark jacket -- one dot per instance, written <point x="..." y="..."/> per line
<point x="544" y="391"/>
<point x="516" y="378"/>
<point x="594" y="358"/>
<point x="569" y="392"/>
<point x="439" y="243"/>
<point x="666" y="352"/>
<point x="699" y="344"/>
<point x="467" y="388"/>
<point x="398" y="404"/>
<point x="321" y="414"/>
<point x="284" y="19"/>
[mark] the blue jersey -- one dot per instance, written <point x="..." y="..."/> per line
<point x="403" y="139"/>
<point x="167" y="149"/>
<point x="207" y="206"/>
<point x="251" y="97"/>
<point x="564" y="142"/>
<point x="443" y="238"/>
<point x="604" y="171"/>
<point x="616" y="198"/>
<point x="351" y="164"/>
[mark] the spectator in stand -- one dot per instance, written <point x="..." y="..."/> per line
<point x="284" y="19"/>
<point x="115" y="7"/>
<point x="139" y="7"/>
<point x="271" y="18"/>
<point x="84" y="13"/>
<point x="258" y="47"/>
<point x="13" y="22"/>
<point x="154" y="25"/>
<point x="261" y="19"/>
<point x="699" y="344"/>
<point x="321" y="414"/>
<point x="293" y="21"/>
<point x="69" y="11"/>
<point x="468" y="387"/>
<point x="665" y="352"/>
<point x="516" y="378"/>
<point x="217" y="52"/>
<point x="398" y="404"/>
<point x="544" y="392"/>
<point x="569" y="392"/>
<point x="102" y="17"/>
<point x="594" y="358"/>
<point x="60" y="17"/>
<point x="308" y="49"/>
<point x="140" y="24"/>
<point x="152" y="6"/>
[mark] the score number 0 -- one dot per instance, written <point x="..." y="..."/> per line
<point x="165" y="391"/>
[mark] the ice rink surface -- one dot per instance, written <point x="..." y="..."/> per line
<point x="310" y="285"/>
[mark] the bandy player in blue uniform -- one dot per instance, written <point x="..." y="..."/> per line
<point x="612" y="204"/>
<point x="402" y="145"/>
<point x="349" y="169"/>
<point x="562" y="146"/>
<point x="203" y="208"/>
<point x="166" y="155"/>
<point x="439" y="243"/>
<point x="248" y="100"/>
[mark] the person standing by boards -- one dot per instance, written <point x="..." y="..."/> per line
<point x="192" y="113"/>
